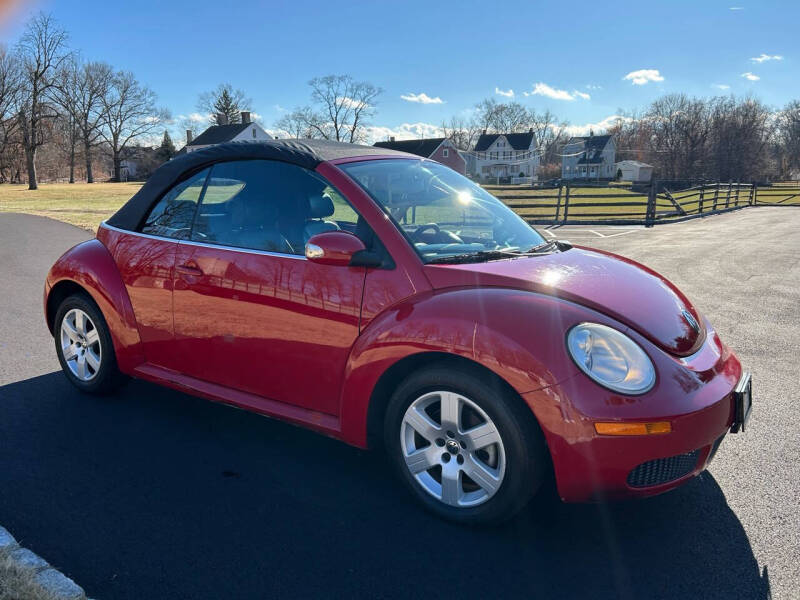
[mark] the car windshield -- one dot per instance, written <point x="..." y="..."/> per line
<point x="443" y="214"/>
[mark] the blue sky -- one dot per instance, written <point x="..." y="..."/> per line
<point x="578" y="53"/>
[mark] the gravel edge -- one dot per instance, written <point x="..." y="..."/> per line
<point x="34" y="573"/>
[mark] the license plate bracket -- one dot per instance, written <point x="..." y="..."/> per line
<point x="742" y="403"/>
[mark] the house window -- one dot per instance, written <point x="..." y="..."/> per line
<point x="445" y="153"/>
<point x="506" y="154"/>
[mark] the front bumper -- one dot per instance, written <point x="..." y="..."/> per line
<point x="697" y="398"/>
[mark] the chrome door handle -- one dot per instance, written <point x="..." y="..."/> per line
<point x="189" y="268"/>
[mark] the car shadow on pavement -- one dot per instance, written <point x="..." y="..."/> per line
<point x="154" y="493"/>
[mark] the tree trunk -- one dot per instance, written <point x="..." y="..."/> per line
<point x="30" y="162"/>
<point x="117" y="166"/>
<point x="72" y="164"/>
<point x="88" y="151"/>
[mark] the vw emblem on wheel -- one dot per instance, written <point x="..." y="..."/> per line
<point x="691" y="321"/>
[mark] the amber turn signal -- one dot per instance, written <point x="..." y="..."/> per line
<point x="633" y="428"/>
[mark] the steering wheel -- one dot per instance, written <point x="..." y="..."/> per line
<point x="416" y="235"/>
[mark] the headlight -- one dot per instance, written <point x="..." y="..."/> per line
<point x="611" y="358"/>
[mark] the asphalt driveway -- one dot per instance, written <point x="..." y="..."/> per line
<point x="156" y="494"/>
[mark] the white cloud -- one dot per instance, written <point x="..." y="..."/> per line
<point x="766" y="57"/>
<point x="598" y="127"/>
<point x="405" y="131"/>
<point x="509" y="93"/>
<point x="279" y="108"/>
<point x="351" y="103"/>
<point x="736" y="8"/>
<point x="422" y="98"/>
<point x="542" y="89"/>
<point x="643" y="76"/>
<point x="199" y="118"/>
<point x="721" y="86"/>
<point x="750" y="76"/>
<point x="590" y="86"/>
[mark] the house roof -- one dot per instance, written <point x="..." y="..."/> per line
<point x="304" y="153"/>
<point x="518" y="141"/>
<point x="423" y="148"/>
<point x="593" y="146"/>
<point x="218" y="134"/>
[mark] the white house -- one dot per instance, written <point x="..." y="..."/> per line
<point x="246" y="131"/>
<point x="635" y="171"/>
<point x="590" y="157"/>
<point x="505" y="155"/>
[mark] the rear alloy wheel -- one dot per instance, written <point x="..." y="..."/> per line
<point x="84" y="347"/>
<point x="466" y="448"/>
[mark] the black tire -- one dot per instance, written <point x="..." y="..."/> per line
<point x="526" y="457"/>
<point x="108" y="377"/>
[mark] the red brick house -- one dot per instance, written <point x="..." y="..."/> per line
<point x="439" y="149"/>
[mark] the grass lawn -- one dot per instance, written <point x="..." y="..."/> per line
<point x="83" y="204"/>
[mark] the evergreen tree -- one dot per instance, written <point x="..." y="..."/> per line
<point x="167" y="149"/>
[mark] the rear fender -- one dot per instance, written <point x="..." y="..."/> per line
<point x="91" y="267"/>
<point x="517" y="335"/>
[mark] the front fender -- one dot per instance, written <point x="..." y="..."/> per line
<point x="518" y="335"/>
<point x="90" y="266"/>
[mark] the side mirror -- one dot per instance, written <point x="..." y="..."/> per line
<point x="334" y="248"/>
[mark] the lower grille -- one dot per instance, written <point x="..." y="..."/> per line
<point x="663" y="470"/>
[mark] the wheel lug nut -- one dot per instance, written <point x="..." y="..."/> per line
<point x="460" y="459"/>
<point x="439" y="442"/>
<point x="445" y="458"/>
<point x="450" y="434"/>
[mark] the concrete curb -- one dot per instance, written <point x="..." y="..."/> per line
<point x="51" y="583"/>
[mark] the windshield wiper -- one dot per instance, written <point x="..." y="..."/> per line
<point x="550" y="246"/>
<point x="481" y="256"/>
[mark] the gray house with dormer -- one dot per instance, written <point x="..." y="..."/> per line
<point x="591" y="157"/>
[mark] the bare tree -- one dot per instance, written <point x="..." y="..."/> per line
<point x="42" y="50"/>
<point x="10" y="77"/>
<point x="342" y="107"/>
<point x="462" y="132"/>
<point x="129" y="112"/>
<point x="79" y="90"/>
<point x="224" y="100"/>
<point x="296" y="124"/>
<point x="788" y="138"/>
<point x="550" y="134"/>
<point x="497" y="117"/>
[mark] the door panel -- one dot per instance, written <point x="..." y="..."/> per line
<point x="277" y="326"/>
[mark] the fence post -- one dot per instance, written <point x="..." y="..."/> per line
<point x="753" y="194"/>
<point x="728" y="196"/>
<point x="558" y="202"/>
<point x="702" y="194"/>
<point x="738" y="184"/>
<point x="650" y="214"/>
<point x="716" y="197"/>
<point x="566" y="204"/>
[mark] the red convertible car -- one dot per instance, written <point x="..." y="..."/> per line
<point x="385" y="300"/>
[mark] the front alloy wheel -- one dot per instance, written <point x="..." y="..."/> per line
<point x="467" y="447"/>
<point x="453" y="448"/>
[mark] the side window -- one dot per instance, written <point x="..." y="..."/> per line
<point x="270" y="206"/>
<point x="172" y="215"/>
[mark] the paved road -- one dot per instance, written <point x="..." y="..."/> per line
<point x="157" y="494"/>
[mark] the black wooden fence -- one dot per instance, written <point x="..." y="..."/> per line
<point x="620" y="206"/>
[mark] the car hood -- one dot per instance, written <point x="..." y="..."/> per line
<point x="616" y="286"/>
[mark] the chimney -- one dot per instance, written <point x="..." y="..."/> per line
<point x="530" y="130"/>
<point x="484" y="132"/>
<point x="222" y="119"/>
<point x="188" y="136"/>
<point x="391" y="138"/>
<point x="245" y="116"/>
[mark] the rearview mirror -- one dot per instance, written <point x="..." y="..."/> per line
<point x="333" y="248"/>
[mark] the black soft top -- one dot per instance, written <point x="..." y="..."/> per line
<point x="304" y="153"/>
